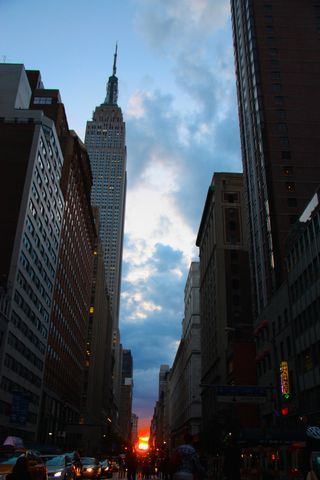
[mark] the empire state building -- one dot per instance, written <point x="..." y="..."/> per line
<point x="105" y="142"/>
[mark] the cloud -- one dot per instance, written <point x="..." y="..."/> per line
<point x="176" y="138"/>
<point x="172" y="25"/>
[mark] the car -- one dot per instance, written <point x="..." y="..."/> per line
<point x="106" y="468"/>
<point x="36" y="466"/>
<point x="91" y="468"/>
<point x="61" y="467"/>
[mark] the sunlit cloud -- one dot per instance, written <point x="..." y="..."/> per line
<point x="136" y="105"/>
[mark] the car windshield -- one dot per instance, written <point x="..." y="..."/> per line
<point x="10" y="460"/>
<point x="59" y="460"/>
<point x="88" y="461"/>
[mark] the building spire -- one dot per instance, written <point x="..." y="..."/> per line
<point x="112" y="86"/>
<point x="115" y="61"/>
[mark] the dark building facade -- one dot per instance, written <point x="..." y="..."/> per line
<point x="125" y="410"/>
<point x="31" y="222"/>
<point x="227" y="345"/>
<point x="65" y="358"/>
<point x="277" y="47"/>
<point x="303" y="264"/>
<point x="46" y="262"/>
<point x="65" y="361"/>
<point x="97" y="406"/>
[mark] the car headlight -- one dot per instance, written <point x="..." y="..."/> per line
<point x="58" y="474"/>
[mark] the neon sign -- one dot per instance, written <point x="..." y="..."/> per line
<point x="284" y="380"/>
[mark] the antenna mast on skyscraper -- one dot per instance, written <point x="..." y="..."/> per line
<point x="115" y="60"/>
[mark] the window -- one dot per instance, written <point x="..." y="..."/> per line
<point x="276" y="87"/>
<point x="284" y="141"/>
<point x="290" y="186"/>
<point x="281" y="114"/>
<point x="285" y="155"/>
<point x="42" y="100"/>
<point x="288" y="170"/>
<point x="282" y="128"/>
<point x="273" y="52"/>
<point x="279" y="100"/>
<point x="231" y="197"/>
<point x="292" y="202"/>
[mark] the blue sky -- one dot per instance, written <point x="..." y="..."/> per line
<point x="178" y="96"/>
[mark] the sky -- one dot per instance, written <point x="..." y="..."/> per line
<point x="177" y="92"/>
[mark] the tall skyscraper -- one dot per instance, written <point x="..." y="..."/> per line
<point x="31" y="223"/>
<point x="277" y="49"/>
<point x="105" y="142"/>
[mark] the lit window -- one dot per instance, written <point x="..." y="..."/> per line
<point x="290" y="186"/>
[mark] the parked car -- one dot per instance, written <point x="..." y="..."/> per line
<point x="61" y="467"/>
<point x="91" y="468"/>
<point x="36" y="465"/>
<point x="106" y="468"/>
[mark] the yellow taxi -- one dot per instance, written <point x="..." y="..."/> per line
<point x="36" y="466"/>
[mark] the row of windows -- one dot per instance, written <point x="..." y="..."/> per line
<point x="50" y="139"/>
<point x="22" y="371"/>
<point x="27" y="332"/>
<point x="45" y="217"/>
<point x="35" y="258"/>
<point x="48" y="204"/>
<point x="6" y="408"/>
<point x="31" y="294"/>
<point x="42" y="161"/>
<point x="25" y="351"/>
<point x="35" y="279"/>
<point x="307" y="277"/>
<point x="309" y="358"/>
<point x="9" y="386"/>
<point x="33" y="297"/>
<point x="35" y="236"/>
<point x="311" y="231"/>
<point x="307" y="318"/>
<point x="264" y="334"/>
<point x="44" y="184"/>
<point x="30" y="314"/>
<point x="55" y="182"/>
<point x="69" y="347"/>
<point x="42" y="100"/>
<point x="47" y="175"/>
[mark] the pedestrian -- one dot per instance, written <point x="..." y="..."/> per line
<point x="185" y="461"/>
<point x="20" y="470"/>
<point x="232" y="462"/>
<point x="132" y="465"/>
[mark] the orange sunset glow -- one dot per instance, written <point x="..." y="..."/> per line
<point x="143" y="442"/>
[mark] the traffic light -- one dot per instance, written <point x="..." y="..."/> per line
<point x="284" y="411"/>
<point x="286" y="397"/>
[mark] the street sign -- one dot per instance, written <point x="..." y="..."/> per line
<point x="240" y="393"/>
